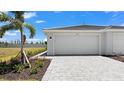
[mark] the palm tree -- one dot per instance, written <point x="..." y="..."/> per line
<point x="15" y="21"/>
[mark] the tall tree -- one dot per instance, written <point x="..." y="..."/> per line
<point x="15" y="21"/>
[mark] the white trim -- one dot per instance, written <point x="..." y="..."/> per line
<point x="53" y="38"/>
<point x="51" y="28"/>
<point x="68" y="31"/>
<point x="84" y="31"/>
<point x="112" y="43"/>
<point x="99" y="46"/>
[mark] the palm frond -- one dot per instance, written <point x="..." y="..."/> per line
<point x="5" y="28"/>
<point x="30" y="28"/>
<point x="19" y="15"/>
<point x="4" y="17"/>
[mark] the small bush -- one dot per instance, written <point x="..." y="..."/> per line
<point x="33" y="70"/>
<point x="19" y="68"/>
<point x="14" y="61"/>
<point x="39" y="63"/>
<point x="13" y="65"/>
<point x="2" y="67"/>
<point x="5" y="68"/>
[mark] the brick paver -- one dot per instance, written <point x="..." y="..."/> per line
<point x="78" y="68"/>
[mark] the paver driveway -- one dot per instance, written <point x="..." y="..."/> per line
<point x="84" y="68"/>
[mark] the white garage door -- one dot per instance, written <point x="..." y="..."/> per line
<point x="76" y="44"/>
<point x="118" y="43"/>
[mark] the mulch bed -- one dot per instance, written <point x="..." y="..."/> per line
<point x="25" y="74"/>
<point x="119" y="58"/>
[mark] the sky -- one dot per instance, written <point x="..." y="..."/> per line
<point x="49" y="19"/>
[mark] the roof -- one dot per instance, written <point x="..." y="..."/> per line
<point x="85" y="27"/>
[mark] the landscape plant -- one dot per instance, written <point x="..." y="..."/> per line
<point x="39" y="63"/>
<point x="33" y="70"/>
<point x="19" y="68"/>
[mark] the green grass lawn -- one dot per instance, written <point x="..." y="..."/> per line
<point x="8" y="53"/>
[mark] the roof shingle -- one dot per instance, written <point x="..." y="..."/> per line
<point x="85" y="27"/>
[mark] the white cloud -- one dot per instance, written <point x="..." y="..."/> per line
<point x="3" y="39"/>
<point x="33" y="40"/>
<point x="122" y="24"/>
<point x="115" y="15"/>
<point x="10" y="34"/>
<point x="17" y="31"/>
<point x="45" y="39"/>
<point x="109" y="11"/>
<point x="40" y="21"/>
<point x="30" y="14"/>
<point x="57" y="11"/>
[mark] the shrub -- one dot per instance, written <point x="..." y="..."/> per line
<point x="39" y="63"/>
<point x="33" y="70"/>
<point x="19" y="68"/>
<point x="2" y="67"/>
<point x="5" y="68"/>
<point x="14" y="61"/>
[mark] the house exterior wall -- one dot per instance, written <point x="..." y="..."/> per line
<point x="105" y="40"/>
<point x="50" y="43"/>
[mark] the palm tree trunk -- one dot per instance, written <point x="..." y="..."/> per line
<point x="22" y="55"/>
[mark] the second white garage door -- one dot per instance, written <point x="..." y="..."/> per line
<point x="118" y="43"/>
<point x="76" y="44"/>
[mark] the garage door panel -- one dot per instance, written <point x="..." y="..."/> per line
<point x="76" y="44"/>
<point x="118" y="43"/>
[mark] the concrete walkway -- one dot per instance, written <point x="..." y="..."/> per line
<point x="76" y="68"/>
